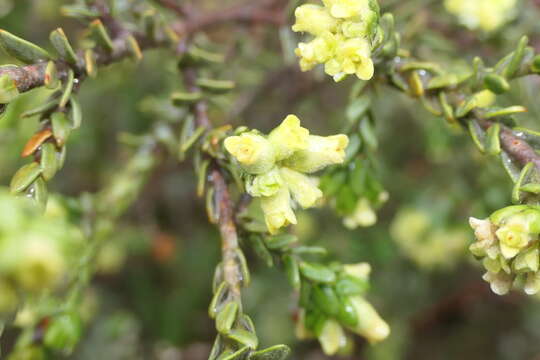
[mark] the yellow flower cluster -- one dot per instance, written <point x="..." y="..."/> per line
<point x="36" y="251"/>
<point x="507" y="243"/>
<point x="428" y="246"/>
<point x="276" y="165"/>
<point x="342" y="31"/>
<point x="487" y="15"/>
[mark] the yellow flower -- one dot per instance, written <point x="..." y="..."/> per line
<point x="277" y="210"/>
<point x="254" y="152"/>
<point x="317" y="51"/>
<point x="347" y="8"/>
<point x="40" y="266"/>
<point x="332" y="337"/>
<point x="266" y="184"/>
<point x="352" y="56"/>
<point x="370" y="324"/>
<point x="303" y="188"/>
<point x="363" y="215"/>
<point x="288" y="137"/>
<point x="314" y="19"/>
<point x="487" y="15"/>
<point x="321" y="152"/>
<point x="360" y="270"/>
<point x="513" y="236"/>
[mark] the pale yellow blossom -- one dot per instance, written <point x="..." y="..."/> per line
<point x="277" y="210"/>
<point x="254" y="152"/>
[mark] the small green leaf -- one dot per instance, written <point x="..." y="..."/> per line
<point x="101" y="35"/>
<point x="504" y="111"/>
<point x="61" y="127"/>
<point x="215" y="86"/>
<point x="217" y="348"/>
<point x="90" y="63"/>
<point x="523" y="178"/>
<point x="238" y="355"/>
<point x="24" y="177"/>
<point x="75" y="112"/>
<point x="493" y="141"/>
<point x="226" y="317"/>
<point x="535" y="66"/>
<point x="134" y="48"/>
<point x="242" y="264"/>
<point x="309" y="250"/>
<point x="357" y="109"/>
<point x="244" y="337"/>
<point x="466" y="107"/>
<point x="8" y="89"/>
<point x="219" y="297"/>
<point x="367" y="131"/>
<point x="21" y="49"/>
<point x="531" y="188"/>
<point x="62" y="46"/>
<point x="317" y="272"/>
<point x="260" y="249"/>
<point x="477" y="134"/>
<point x="78" y="11"/>
<point x="280" y="241"/>
<point x="496" y="83"/>
<point x="277" y="352"/>
<point x="349" y="285"/>
<point x="347" y="314"/>
<point x="48" y="106"/>
<point x="510" y="166"/>
<point x="68" y="89"/>
<point x="38" y="191"/>
<point x="325" y="298"/>
<point x="292" y="270"/>
<point x="49" y="161"/>
<point x="188" y="143"/>
<point x="447" y="109"/>
<point x="515" y="63"/>
<point x="185" y="98"/>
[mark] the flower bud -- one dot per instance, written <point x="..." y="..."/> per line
<point x="500" y="282"/>
<point x="277" y="210"/>
<point x="288" y="137"/>
<point x="332" y="337"/>
<point x="321" y="152"/>
<point x="266" y="184"/>
<point x="370" y="324"/>
<point x="360" y="270"/>
<point x="313" y="19"/>
<point x="254" y="152"/>
<point x="303" y="188"/>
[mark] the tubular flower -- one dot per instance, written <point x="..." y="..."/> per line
<point x="254" y="152"/>
<point x="275" y="164"/>
<point x="343" y="31"/>
<point x="507" y="243"/>
<point x="487" y="15"/>
<point x="277" y="210"/>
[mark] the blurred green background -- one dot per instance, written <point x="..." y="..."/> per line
<point x="150" y="296"/>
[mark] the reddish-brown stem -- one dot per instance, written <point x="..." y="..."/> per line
<point x="518" y="149"/>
